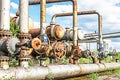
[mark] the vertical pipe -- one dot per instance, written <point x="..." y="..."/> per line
<point x="100" y="32"/>
<point x="23" y="16"/>
<point x="75" y="23"/>
<point x="43" y="17"/>
<point x="4" y="14"/>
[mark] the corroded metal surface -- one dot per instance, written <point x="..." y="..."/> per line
<point x="34" y="32"/>
<point x="58" y="71"/>
<point x="43" y="17"/>
<point x="35" y="2"/>
<point x="4" y="62"/>
<point x="70" y="14"/>
<point x="75" y="26"/>
<point x="5" y="33"/>
<point x="75" y="54"/>
<point x="55" y="32"/>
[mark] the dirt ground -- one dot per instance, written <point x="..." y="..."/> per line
<point x="110" y="77"/>
<point x="105" y="77"/>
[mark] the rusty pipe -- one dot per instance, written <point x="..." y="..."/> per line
<point x="74" y="15"/>
<point x="43" y="17"/>
<point x="36" y="2"/>
<point x="4" y="14"/>
<point x="70" y="14"/>
<point x="84" y="13"/>
<point x="57" y="71"/>
<point x="23" y="16"/>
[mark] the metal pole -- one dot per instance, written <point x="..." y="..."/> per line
<point x="43" y="17"/>
<point x="4" y="14"/>
<point x="100" y="32"/>
<point x="56" y="71"/>
<point x="75" y="24"/>
<point x="23" y="16"/>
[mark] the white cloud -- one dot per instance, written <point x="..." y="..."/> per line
<point x="12" y="15"/>
<point x="59" y="9"/>
<point x="36" y="24"/>
<point x="14" y="5"/>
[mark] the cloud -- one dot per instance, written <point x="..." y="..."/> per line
<point x="59" y="9"/>
<point x="12" y="15"/>
<point x="36" y="24"/>
<point x="14" y="5"/>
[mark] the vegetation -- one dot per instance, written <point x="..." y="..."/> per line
<point x="50" y="76"/>
<point x="11" y="78"/>
<point x="117" y="71"/>
<point x="85" y="60"/>
<point x="93" y="76"/>
<point x="14" y="63"/>
<point x="13" y="30"/>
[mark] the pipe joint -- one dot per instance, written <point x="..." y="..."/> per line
<point x="4" y="62"/>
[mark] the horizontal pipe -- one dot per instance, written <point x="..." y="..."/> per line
<point x="57" y="71"/>
<point x="70" y="14"/>
<point x="94" y="34"/>
<point x="36" y="2"/>
<point x="96" y="39"/>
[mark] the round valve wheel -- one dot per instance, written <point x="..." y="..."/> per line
<point x="59" y="50"/>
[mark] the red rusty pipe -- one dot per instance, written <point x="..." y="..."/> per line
<point x="74" y="15"/>
<point x="36" y="2"/>
<point x="34" y="32"/>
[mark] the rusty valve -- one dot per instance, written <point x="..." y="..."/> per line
<point x="36" y="43"/>
<point x="59" y="50"/>
<point x="75" y="54"/>
<point x="55" y="31"/>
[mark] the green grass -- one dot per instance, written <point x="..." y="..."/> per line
<point x="85" y="60"/>
<point x="13" y="30"/>
<point x="50" y="76"/>
<point x="117" y="71"/>
<point x="93" y="76"/>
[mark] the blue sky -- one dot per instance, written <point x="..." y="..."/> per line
<point x="109" y="9"/>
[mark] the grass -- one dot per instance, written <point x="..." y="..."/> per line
<point x="50" y="76"/>
<point x="13" y="30"/>
<point x="117" y="71"/>
<point x="93" y="76"/>
<point x="85" y="60"/>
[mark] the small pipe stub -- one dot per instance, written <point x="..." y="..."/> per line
<point x="4" y="62"/>
<point x="36" y="43"/>
<point x="24" y="62"/>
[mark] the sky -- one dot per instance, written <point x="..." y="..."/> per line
<point x="109" y="9"/>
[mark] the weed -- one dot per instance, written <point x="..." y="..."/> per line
<point x="50" y="76"/>
<point x="93" y="76"/>
<point x="13" y="30"/>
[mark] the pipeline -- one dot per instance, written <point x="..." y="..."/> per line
<point x="43" y="17"/>
<point x="94" y="39"/>
<point x="35" y="2"/>
<point x="74" y="15"/>
<point x="4" y="14"/>
<point x="84" y="13"/>
<point x="70" y="14"/>
<point x="23" y="16"/>
<point x="57" y="71"/>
